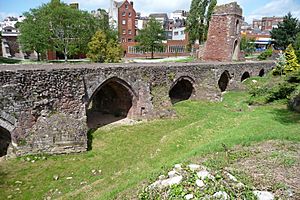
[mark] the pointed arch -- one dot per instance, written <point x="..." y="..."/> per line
<point x="224" y="80"/>
<point x="182" y="89"/>
<point x="5" y="140"/>
<point x="261" y="73"/>
<point x="112" y="100"/>
<point x="245" y="76"/>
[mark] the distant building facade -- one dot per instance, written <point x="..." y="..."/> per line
<point x="266" y="23"/>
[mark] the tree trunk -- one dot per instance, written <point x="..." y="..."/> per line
<point x="38" y="56"/>
<point x="66" y="54"/>
<point x="152" y="52"/>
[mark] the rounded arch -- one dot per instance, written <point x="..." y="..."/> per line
<point x="5" y="140"/>
<point x="261" y="73"/>
<point x="224" y="80"/>
<point x="113" y="100"/>
<point x="245" y="76"/>
<point x="182" y="89"/>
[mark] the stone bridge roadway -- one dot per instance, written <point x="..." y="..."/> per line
<point x="49" y="108"/>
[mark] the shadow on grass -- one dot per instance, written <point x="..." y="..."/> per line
<point x="286" y="116"/>
<point x="90" y="138"/>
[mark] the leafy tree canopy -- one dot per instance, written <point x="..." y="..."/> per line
<point x="102" y="48"/>
<point x="198" y="19"/>
<point x="286" y="32"/>
<point x="57" y="26"/>
<point x="150" y="38"/>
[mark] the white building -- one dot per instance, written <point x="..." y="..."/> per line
<point x="178" y="33"/>
<point x="178" y="14"/>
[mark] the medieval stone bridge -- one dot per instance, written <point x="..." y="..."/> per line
<point x="49" y="108"/>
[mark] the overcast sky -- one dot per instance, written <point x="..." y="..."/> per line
<point x="251" y="8"/>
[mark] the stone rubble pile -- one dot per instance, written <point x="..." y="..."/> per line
<point x="198" y="182"/>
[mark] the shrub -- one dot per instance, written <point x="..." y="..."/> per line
<point x="266" y="54"/>
<point x="281" y="91"/>
<point x="291" y="60"/>
<point x="280" y="64"/>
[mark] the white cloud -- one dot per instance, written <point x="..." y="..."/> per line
<point x="276" y="8"/>
<point x="3" y="15"/>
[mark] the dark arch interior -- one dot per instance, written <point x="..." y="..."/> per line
<point x="261" y="73"/>
<point x="5" y="140"/>
<point x="237" y="26"/>
<point x="223" y="81"/>
<point x="111" y="103"/>
<point x="245" y="76"/>
<point x="181" y="91"/>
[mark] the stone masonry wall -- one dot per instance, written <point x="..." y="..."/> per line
<point x="44" y="107"/>
<point x="223" y="41"/>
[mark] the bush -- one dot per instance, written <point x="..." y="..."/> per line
<point x="281" y="91"/>
<point x="294" y="100"/>
<point x="266" y="54"/>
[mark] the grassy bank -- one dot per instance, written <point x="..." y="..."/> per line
<point x="129" y="155"/>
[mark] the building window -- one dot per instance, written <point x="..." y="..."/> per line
<point x="129" y="32"/>
<point x="181" y="32"/>
<point x="129" y="40"/>
<point x="123" y="31"/>
<point x="129" y="14"/>
<point x="176" y="33"/>
<point x="123" y="13"/>
<point x="123" y="21"/>
<point x="126" y="6"/>
<point x="123" y="40"/>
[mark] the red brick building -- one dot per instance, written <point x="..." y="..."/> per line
<point x="266" y="23"/>
<point x="126" y="23"/>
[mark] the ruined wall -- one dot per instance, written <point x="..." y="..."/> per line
<point x="44" y="107"/>
<point x="223" y="40"/>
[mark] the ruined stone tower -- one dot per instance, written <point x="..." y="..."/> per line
<point x="223" y="41"/>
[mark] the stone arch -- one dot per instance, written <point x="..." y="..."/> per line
<point x="261" y="73"/>
<point x="235" y="50"/>
<point x="113" y="100"/>
<point x="245" y="76"/>
<point x="182" y="89"/>
<point x="224" y="80"/>
<point x="5" y="140"/>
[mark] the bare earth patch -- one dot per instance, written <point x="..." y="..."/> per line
<point x="272" y="166"/>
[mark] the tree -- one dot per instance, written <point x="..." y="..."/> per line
<point x="104" y="49"/>
<point x="198" y="19"/>
<point x="286" y="32"/>
<point x="34" y="33"/>
<point x="247" y="45"/>
<point x="291" y="60"/>
<point x="59" y="27"/>
<point x="71" y="29"/>
<point x="150" y="38"/>
<point x="297" y="46"/>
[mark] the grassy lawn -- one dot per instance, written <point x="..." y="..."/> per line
<point x="9" y="61"/>
<point x="129" y="155"/>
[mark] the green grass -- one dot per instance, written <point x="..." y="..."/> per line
<point x="129" y="155"/>
<point x="8" y="61"/>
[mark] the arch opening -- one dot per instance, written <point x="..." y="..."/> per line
<point x="235" y="50"/>
<point x="5" y="140"/>
<point x="224" y="80"/>
<point x="110" y="103"/>
<point x="182" y="90"/>
<point x="261" y="73"/>
<point x="245" y="76"/>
